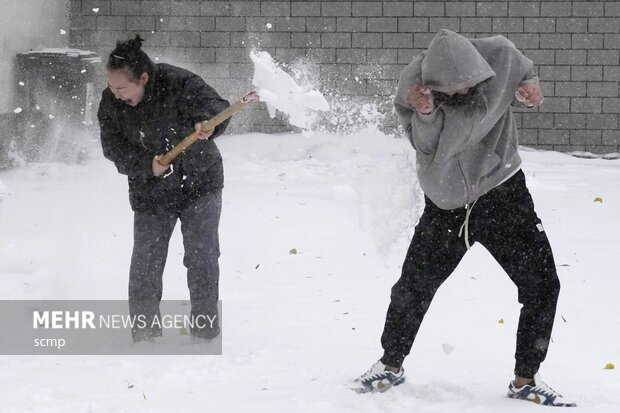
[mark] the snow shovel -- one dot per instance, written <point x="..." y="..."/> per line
<point x="208" y="125"/>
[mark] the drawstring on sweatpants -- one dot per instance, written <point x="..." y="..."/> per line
<point x="465" y="224"/>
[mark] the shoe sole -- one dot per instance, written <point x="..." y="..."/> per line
<point x="364" y="389"/>
<point x="537" y="400"/>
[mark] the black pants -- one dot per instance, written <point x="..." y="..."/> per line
<point x="199" y="226"/>
<point x="504" y="221"/>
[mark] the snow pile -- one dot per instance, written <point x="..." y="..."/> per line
<point x="280" y="92"/>
<point x="84" y="55"/>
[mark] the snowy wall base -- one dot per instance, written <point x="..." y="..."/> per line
<point x="36" y="138"/>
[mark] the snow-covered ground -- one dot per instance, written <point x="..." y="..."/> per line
<point x="298" y="327"/>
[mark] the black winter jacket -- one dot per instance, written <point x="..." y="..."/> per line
<point x="174" y="100"/>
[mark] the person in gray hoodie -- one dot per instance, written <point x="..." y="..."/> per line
<point x="454" y="101"/>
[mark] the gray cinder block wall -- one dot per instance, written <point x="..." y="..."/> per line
<point x="355" y="50"/>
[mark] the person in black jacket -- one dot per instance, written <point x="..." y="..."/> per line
<point x="146" y="110"/>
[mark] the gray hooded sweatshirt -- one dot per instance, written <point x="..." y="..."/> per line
<point x="462" y="152"/>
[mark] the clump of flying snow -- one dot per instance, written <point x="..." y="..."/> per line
<point x="4" y="191"/>
<point x="281" y="92"/>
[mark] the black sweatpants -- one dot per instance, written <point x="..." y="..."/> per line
<point x="199" y="226"/>
<point x="504" y="221"/>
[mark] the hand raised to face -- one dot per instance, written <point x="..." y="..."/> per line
<point x="421" y="99"/>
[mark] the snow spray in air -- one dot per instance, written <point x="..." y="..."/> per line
<point x="280" y="92"/>
<point x="329" y="110"/>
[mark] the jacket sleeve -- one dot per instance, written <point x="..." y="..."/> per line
<point x="428" y="129"/>
<point x="404" y="114"/>
<point x="130" y="160"/>
<point x="201" y="102"/>
<point x="422" y="130"/>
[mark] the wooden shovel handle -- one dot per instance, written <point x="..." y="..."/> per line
<point x="207" y="126"/>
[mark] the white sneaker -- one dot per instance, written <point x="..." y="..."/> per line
<point x="378" y="379"/>
<point x="538" y="392"/>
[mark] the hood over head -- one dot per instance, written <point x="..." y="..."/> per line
<point x="452" y="62"/>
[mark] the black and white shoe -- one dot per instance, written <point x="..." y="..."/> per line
<point x="378" y="379"/>
<point x="538" y="392"/>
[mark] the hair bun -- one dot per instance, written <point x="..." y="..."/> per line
<point x="129" y="54"/>
<point x="135" y="43"/>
